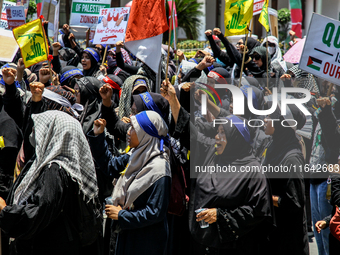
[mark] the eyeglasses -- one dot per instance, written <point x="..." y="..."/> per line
<point x="256" y="57"/>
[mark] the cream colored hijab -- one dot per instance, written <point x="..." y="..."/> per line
<point x="147" y="163"/>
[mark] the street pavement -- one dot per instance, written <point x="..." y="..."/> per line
<point x="313" y="249"/>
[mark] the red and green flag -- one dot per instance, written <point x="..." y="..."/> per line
<point x="173" y="23"/>
<point x="39" y="5"/>
<point x="296" y="16"/>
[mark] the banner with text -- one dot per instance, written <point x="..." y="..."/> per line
<point x="321" y="53"/>
<point x="111" y="26"/>
<point x="15" y="16"/>
<point x="258" y="4"/>
<point x="86" y="12"/>
<point x="3" y="24"/>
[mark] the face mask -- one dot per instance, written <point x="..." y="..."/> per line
<point x="63" y="63"/>
<point x="271" y="50"/>
<point x="31" y="138"/>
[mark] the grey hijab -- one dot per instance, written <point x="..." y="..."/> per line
<point x="147" y="164"/>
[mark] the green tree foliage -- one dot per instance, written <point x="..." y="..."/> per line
<point x="188" y="16"/>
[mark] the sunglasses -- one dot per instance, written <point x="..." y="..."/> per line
<point x="256" y="57"/>
<point x="239" y="43"/>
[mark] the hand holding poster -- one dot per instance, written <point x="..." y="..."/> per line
<point x="111" y="26"/>
<point x="321" y="54"/>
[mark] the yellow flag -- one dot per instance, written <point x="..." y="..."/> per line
<point x="264" y="17"/>
<point x="237" y="16"/>
<point x="31" y="40"/>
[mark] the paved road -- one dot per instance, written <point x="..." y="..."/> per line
<point x="313" y="249"/>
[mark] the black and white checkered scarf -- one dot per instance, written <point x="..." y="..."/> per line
<point x="59" y="138"/>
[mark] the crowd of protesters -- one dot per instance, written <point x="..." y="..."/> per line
<point x="97" y="141"/>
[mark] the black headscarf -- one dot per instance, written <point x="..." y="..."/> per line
<point x="229" y="192"/>
<point x="70" y="56"/>
<point x="262" y="51"/>
<point x="70" y="77"/>
<point x="94" y="64"/>
<point x="284" y="138"/>
<point x="251" y="43"/>
<point x="160" y="101"/>
<point x="90" y="99"/>
<point x="258" y="100"/>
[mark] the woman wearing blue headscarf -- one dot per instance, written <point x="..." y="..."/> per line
<point x="141" y="193"/>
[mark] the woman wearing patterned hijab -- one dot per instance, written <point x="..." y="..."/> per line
<point x="61" y="168"/>
<point x="141" y="194"/>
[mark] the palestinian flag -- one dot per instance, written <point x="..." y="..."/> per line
<point x="173" y="24"/>
<point x="296" y="16"/>
<point x="314" y="63"/>
<point x="39" y="5"/>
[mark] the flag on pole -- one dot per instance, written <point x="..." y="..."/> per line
<point x="264" y="16"/>
<point x="296" y="16"/>
<point x="174" y="24"/>
<point x="237" y="16"/>
<point x="39" y="5"/>
<point x="145" y="29"/>
<point x="31" y="40"/>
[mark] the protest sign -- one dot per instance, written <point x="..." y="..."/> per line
<point x="86" y="12"/>
<point x="321" y="53"/>
<point x="3" y="24"/>
<point x="49" y="11"/>
<point x="15" y="16"/>
<point x="258" y="4"/>
<point x="9" y="47"/>
<point x="111" y="26"/>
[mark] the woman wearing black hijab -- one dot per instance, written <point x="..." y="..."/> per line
<point x="239" y="204"/>
<point x="288" y="188"/>
<point x="90" y="61"/>
<point x="87" y="89"/>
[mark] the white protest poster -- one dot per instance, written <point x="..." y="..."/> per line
<point x="48" y="11"/>
<point x="3" y="24"/>
<point x="321" y="53"/>
<point x="56" y="22"/>
<point x="258" y="4"/>
<point x="111" y="26"/>
<point x="9" y="46"/>
<point x="86" y="12"/>
<point x="15" y="16"/>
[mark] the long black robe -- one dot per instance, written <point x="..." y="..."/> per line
<point x="290" y="234"/>
<point x="243" y="200"/>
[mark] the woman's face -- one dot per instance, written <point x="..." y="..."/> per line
<point x="221" y="140"/>
<point x="139" y="90"/>
<point x="257" y="60"/>
<point x="239" y="43"/>
<point x="132" y="138"/>
<point x="268" y="126"/>
<point x="86" y="61"/>
<point x="77" y="93"/>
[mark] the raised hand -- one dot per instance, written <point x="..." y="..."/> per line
<point x="44" y="75"/>
<point x="8" y="74"/>
<point x="208" y="32"/>
<point x="168" y="91"/>
<point x="99" y="126"/>
<point x="206" y="62"/>
<point x="37" y="89"/>
<point x="119" y="45"/>
<point x="20" y="69"/>
<point x="106" y="93"/>
<point x="217" y="31"/>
